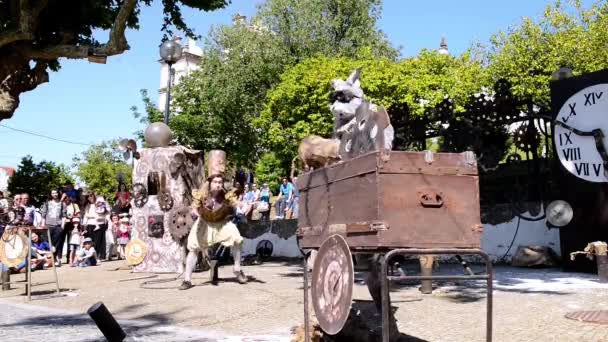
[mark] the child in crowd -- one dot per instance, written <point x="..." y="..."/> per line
<point x="41" y="253"/>
<point x="111" y="234"/>
<point x="76" y="237"/>
<point x="87" y="256"/>
<point x="124" y="232"/>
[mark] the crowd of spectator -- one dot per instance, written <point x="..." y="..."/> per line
<point x="83" y="227"/>
<point x="256" y="203"/>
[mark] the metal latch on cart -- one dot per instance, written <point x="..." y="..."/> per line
<point x="430" y="197"/>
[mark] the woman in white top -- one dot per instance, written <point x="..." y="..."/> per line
<point x="96" y="217"/>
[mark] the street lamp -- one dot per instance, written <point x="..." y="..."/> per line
<point x="170" y="52"/>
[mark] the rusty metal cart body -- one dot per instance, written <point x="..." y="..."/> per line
<point x="414" y="203"/>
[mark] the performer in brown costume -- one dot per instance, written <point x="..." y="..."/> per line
<point x="215" y="207"/>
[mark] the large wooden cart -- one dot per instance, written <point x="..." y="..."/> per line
<point x="416" y="203"/>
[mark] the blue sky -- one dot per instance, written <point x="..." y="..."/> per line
<point x="88" y="102"/>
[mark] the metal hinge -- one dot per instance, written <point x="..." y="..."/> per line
<point x="380" y="225"/>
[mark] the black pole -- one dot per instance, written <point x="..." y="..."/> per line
<point x="168" y="95"/>
<point x="106" y="322"/>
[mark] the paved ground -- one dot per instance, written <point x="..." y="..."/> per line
<point x="22" y="322"/>
<point x="528" y="305"/>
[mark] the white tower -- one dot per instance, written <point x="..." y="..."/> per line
<point x="443" y="47"/>
<point x="191" y="56"/>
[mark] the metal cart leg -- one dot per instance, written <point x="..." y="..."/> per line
<point x="306" y="317"/>
<point x="29" y="266"/>
<point x="385" y="278"/>
<point x="48" y="234"/>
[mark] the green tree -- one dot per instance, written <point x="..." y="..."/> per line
<point x="299" y="105"/>
<point x="100" y="167"/>
<point x="214" y="107"/>
<point x="567" y="34"/>
<point x="269" y="170"/>
<point x="327" y="27"/>
<point x="38" y="179"/>
<point x="35" y="34"/>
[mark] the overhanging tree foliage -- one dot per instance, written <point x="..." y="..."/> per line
<point x="35" y="34"/>
<point x="38" y="179"/>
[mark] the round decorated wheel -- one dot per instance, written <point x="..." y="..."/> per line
<point x="13" y="247"/>
<point x="332" y="284"/>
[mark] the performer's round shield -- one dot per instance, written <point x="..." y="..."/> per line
<point x="136" y="251"/>
<point x="332" y="284"/>
<point x="13" y="247"/>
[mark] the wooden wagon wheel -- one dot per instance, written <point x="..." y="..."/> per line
<point x="332" y="284"/>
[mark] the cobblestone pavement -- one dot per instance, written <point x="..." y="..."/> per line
<point x="529" y="305"/>
<point x="22" y="322"/>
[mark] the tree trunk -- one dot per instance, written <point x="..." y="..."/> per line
<point x="16" y="77"/>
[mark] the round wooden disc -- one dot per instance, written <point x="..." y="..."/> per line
<point x="13" y="248"/>
<point x="332" y="284"/>
<point x="136" y="251"/>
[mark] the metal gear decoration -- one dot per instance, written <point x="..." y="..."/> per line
<point x="489" y="158"/>
<point x="140" y="195"/>
<point x="502" y="88"/>
<point x="525" y="138"/>
<point x="445" y="110"/>
<point x="181" y="223"/>
<point x="332" y="284"/>
<point x="165" y="200"/>
<point x="504" y="101"/>
<point x="460" y="136"/>
<point x="513" y="158"/>
<point x="478" y="108"/>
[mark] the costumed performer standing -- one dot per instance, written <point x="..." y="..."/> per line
<point x="215" y="208"/>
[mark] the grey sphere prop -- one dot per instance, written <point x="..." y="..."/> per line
<point x="157" y="135"/>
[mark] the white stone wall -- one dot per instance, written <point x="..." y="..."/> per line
<point x="281" y="247"/>
<point x="496" y="239"/>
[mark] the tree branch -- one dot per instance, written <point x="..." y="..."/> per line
<point x="28" y="18"/>
<point x="117" y="43"/>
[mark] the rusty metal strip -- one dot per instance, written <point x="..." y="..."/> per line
<point x="598" y="316"/>
<point x="430" y="170"/>
<point x="362" y="173"/>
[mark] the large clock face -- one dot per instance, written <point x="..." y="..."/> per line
<point x="586" y="110"/>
